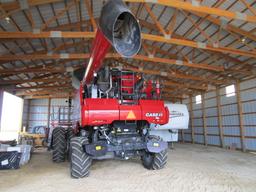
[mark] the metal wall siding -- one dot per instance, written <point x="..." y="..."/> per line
<point x="59" y="102"/>
<point x="212" y="130"/>
<point x="228" y="100"/>
<point x="39" y="102"/>
<point x="211" y="112"/>
<point x="234" y="130"/>
<point x="248" y="94"/>
<point x="248" y="84"/>
<point x="250" y="144"/>
<point x="250" y="131"/>
<point x="210" y="94"/>
<point x="199" y="138"/>
<point x="196" y="106"/>
<point x="213" y="140"/>
<point x="230" y="117"/>
<point x="197" y="113"/>
<point x="229" y="109"/>
<point x="38" y="111"/>
<point x="249" y="107"/>
<point x="198" y="122"/>
<point x="228" y="141"/>
<point x="249" y="119"/>
<point x="25" y="113"/>
<point x="187" y="137"/>
<point x="230" y="120"/>
<point x="198" y="129"/>
<point x="210" y="102"/>
<point x="211" y="121"/>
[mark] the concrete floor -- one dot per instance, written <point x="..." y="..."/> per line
<point x="190" y="168"/>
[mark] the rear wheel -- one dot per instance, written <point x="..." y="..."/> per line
<point x="70" y="135"/>
<point x="154" y="160"/>
<point x="80" y="161"/>
<point x="59" y="144"/>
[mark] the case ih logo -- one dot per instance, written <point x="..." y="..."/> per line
<point x="154" y="114"/>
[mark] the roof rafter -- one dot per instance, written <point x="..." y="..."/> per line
<point x="149" y="37"/>
<point x="173" y="3"/>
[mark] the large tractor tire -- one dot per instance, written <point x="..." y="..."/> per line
<point x="59" y="144"/>
<point x="69" y="136"/>
<point x="154" y="161"/>
<point x="80" y="161"/>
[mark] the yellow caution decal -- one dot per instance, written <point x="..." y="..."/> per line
<point x="131" y="115"/>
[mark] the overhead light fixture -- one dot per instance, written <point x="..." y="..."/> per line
<point x="7" y="19"/>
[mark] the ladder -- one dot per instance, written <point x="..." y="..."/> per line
<point x="127" y="88"/>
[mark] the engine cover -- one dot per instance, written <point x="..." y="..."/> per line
<point x="101" y="111"/>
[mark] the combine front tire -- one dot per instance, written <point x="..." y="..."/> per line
<point x="59" y="144"/>
<point x="80" y="161"/>
<point x="154" y="160"/>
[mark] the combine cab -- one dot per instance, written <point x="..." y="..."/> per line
<point x="115" y="107"/>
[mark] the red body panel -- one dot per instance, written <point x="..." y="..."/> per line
<point x="105" y="111"/>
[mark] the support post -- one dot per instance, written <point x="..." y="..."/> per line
<point x="192" y="119"/>
<point x="28" y="114"/>
<point x="220" y="125"/>
<point x="204" y="120"/>
<point x="49" y="112"/>
<point x="240" y="112"/>
<point x="1" y="105"/>
<point x="182" y="130"/>
<point x="69" y="109"/>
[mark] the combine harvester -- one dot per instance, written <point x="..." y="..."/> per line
<point x="119" y="117"/>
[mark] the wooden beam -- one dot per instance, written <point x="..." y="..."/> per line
<point x="226" y="26"/>
<point x="219" y="111"/>
<point x="199" y="45"/>
<point x="154" y="18"/>
<point x="49" y="112"/>
<point x="184" y="85"/>
<point x="197" y="7"/>
<point x="47" y="96"/>
<point x="45" y="87"/>
<point x="169" y="75"/>
<point x="204" y="120"/>
<point x="6" y="82"/>
<point x="33" y="70"/>
<point x="109" y="55"/>
<point x="192" y="119"/>
<point x="149" y="37"/>
<point x="58" y="15"/>
<point x="46" y="34"/>
<point x="90" y="13"/>
<point x="240" y="112"/>
<point x="28" y="115"/>
<point x="45" y="91"/>
<point x="182" y="130"/>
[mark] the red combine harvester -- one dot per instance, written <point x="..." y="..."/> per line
<point x="115" y="106"/>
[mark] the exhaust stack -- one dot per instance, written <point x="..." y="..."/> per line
<point x="117" y="27"/>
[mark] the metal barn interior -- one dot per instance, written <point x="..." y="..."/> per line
<point x="203" y="52"/>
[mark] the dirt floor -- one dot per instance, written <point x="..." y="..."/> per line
<point x="190" y="168"/>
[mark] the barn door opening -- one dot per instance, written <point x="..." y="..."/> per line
<point x="11" y="117"/>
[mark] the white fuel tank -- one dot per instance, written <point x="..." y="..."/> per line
<point x="178" y="118"/>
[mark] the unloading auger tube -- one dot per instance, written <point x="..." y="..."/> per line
<point x="117" y="27"/>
